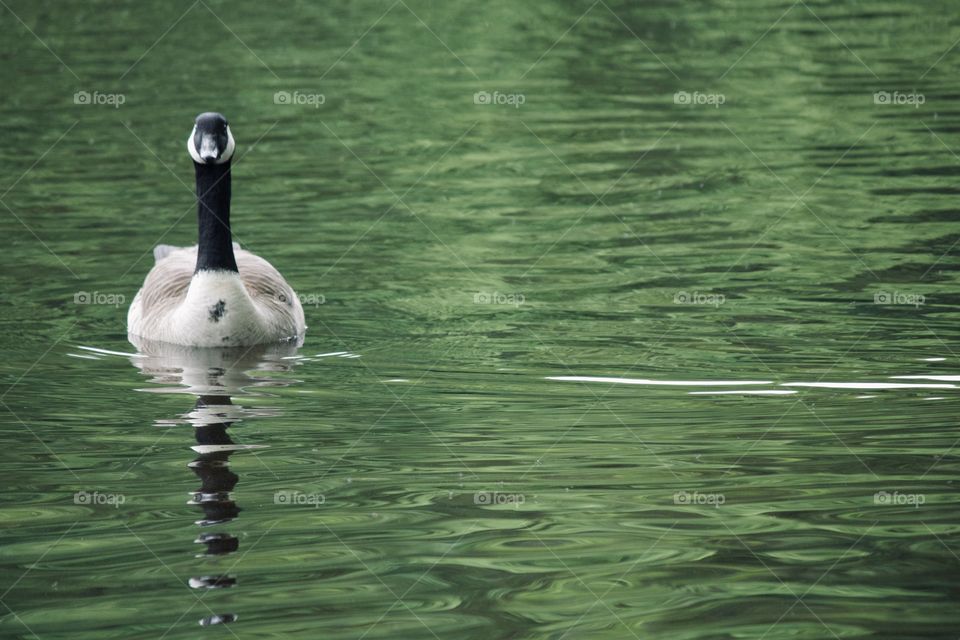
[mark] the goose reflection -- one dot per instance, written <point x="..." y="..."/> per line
<point x="213" y="376"/>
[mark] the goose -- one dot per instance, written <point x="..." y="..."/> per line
<point x="214" y="294"/>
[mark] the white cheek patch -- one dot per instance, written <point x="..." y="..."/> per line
<point x="228" y="152"/>
<point x="192" y="148"/>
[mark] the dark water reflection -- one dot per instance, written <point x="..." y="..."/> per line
<point x="213" y="376"/>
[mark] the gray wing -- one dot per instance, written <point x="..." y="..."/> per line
<point x="264" y="283"/>
<point x="166" y="285"/>
<point x="275" y="299"/>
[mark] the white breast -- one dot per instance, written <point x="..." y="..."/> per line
<point x="217" y="311"/>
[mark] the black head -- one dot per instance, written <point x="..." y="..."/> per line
<point x="210" y="142"/>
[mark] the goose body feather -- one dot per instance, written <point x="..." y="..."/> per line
<point x="214" y="308"/>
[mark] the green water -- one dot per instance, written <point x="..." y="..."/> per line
<point x="437" y="477"/>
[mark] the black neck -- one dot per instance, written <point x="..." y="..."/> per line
<point x="215" y="244"/>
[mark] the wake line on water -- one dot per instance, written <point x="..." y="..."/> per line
<point x="738" y="383"/>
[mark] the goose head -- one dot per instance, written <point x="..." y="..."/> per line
<point x="210" y="142"/>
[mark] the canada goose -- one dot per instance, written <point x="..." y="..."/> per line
<point x="214" y="294"/>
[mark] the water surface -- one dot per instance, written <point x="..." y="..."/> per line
<point x="658" y="342"/>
